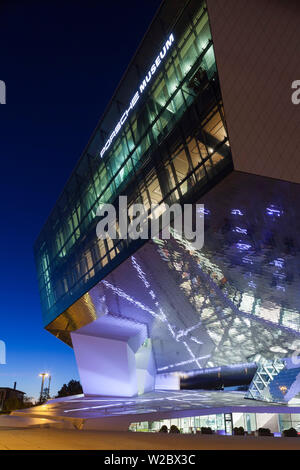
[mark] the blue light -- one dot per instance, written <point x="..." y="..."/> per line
<point x="236" y="212"/>
<point x="204" y="211"/>
<point x="272" y="210"/>
<point x="240" y="230"/>
<point x="247" y="260"/>
<point x="243" y="246"/>
<point x="279" y="275"/>
<point x="279" y="262"/>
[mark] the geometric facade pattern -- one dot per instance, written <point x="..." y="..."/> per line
<point x="267" y="371"/>
<point x="234" y="301"/>
<point x="275" y="381"/>
<point x="162" y="306"/>
<point x="239" y="296"/>
<point x="172" y="146"/>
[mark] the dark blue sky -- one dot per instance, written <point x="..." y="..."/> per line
<point x="61" y="62"/>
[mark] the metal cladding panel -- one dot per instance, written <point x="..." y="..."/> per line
<point x="257" y="53"/>
<point x="234" y="301"/>
<point x="162" y="137"/>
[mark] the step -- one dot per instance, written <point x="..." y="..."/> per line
<point x="12" y="422"/>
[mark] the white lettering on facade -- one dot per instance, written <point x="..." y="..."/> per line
<point x="137" y="95"/>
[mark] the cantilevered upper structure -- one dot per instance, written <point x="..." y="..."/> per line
<point x="194" y="120"/>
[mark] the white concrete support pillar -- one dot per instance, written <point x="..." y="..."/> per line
<point x="114" y="358"/>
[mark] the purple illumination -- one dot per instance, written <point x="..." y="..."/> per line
<point x="236" y="212"/>
<point x="279" y="275"/>
<point x="252" y="284"/>
<point x="240" y="230"/>
<point x="188" y="330"/>
<point x="243" y="246"/>
<point x="279" y="262"/>
<point x="123" y="294"/>
<point x="159" y="314"/>
<point x="182" y="363"/>
<point x="247" y="260"/>
<point x="204" y="211"/>
<point x="274" y="211"/>
<point x="192" y="301"/>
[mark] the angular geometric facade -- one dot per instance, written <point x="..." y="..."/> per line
<point x="275" y="381"/>
<point x="126" y="357"/>
<point x="136" y="309"/>
<point x="172" y="146"/>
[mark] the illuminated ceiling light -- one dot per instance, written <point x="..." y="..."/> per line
<point x="274" y="211"/>
<point x="279" y="262"/>
<point x="127" y="297"/>
<point x="182" y="363"/>
<point x="278" y="349"/>
<point x="247" y="260"/>
<point x="243" y="246"/>
<point x="252" y="284"/>
<point x="202" y="210"/>
<point x="93" y="407"/>
<point x="161" y="316"/>
<point x="236" y="212"/>
<point x="188" y="330"/>
<point x="240" y="230"/>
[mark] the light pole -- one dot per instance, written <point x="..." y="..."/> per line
<point x="43" y="375"/>
<point x="49" y="381"/>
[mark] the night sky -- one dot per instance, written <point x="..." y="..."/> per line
<point x="61" y="62"/>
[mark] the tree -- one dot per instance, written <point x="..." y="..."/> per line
<point x="45" y="396"/>
<point x="28" y="402"/>
<point x="72" y="388"/>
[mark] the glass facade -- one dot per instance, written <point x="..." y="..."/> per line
<point x="217" y="422"/>
<point x="172" y="147"/>
<point x="208" y="319"/>
<point x="186" y="425"/>
<point x="249" y="421"/>
<point x="287" y="421"/>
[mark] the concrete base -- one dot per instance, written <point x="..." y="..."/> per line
<point x="117" y="413"/>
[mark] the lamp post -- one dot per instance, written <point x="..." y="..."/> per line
<point x="49" y="381"/>
<point x="43" y="375"/>
<point x="46" y="393"/>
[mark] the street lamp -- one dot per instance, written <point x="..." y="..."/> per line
<point x="43" y="375"/>
<point x="49" y="381"/>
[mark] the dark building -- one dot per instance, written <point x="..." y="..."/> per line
<point x="10" y="394"/>
<point x="135" y="310"/>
